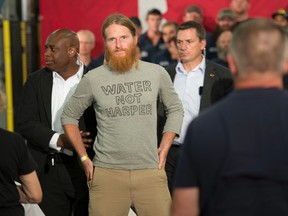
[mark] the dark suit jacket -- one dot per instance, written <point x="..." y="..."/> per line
<point x="217" y="84"/>
<point x="285" y="81"/>
<point x="35" y="115"/>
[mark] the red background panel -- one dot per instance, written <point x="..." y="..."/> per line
<point x="89" y="14"/>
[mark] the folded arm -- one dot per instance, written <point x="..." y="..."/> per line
<point x="30" y="191"/>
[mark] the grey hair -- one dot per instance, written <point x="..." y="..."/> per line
<point x="259" y="45"/>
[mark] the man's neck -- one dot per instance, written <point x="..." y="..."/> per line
<point x="69" y="71"/>
<point x="154" y="36"/>
<point x="152" y="33"/>
<point x="259" y="80"/>
<point x="189" y="66"/>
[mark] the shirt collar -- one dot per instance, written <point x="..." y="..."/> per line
<point x="78" y="74"/>
<point x="200" y="67"/>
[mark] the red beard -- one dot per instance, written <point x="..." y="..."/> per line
<point x="121" y="63"/>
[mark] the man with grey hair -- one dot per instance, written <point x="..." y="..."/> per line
<point x="129" y="168"/>
<point x="222" y="44"/>
<point x="234" y="160"/>
<point x="87" y="44"/>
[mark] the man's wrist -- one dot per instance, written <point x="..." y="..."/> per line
<point x="83" y="158"/>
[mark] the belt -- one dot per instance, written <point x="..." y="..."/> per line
<point x="59" y="158"/>
<point x="176" y="146"/>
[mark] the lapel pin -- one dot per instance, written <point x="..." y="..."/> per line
<point x="212" y="74"/>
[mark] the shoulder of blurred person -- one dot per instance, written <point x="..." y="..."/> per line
<point x="96" y="62"/>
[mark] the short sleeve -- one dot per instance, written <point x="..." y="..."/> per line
<point x="26" y="164"/>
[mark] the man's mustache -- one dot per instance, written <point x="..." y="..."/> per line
<point x="119" y="50"/>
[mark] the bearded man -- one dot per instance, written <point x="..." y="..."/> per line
<point x="129" y="168"/>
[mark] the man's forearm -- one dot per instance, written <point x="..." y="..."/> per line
<point x="73" y="134"/>
<point x="164" y="147"/>
<point x="167" y="140"/>
<point x="30" y="191"/>
<point x="22" y="195"/>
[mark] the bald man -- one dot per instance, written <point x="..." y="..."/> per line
<point x="62" y="179"/>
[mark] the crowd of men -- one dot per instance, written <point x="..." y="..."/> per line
<point x="158" y="43"/>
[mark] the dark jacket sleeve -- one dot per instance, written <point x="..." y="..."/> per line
<point x="34" y="123"/>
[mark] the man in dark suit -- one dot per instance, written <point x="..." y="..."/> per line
<point x="198" y="82"/>
<point x="234" y="158"/>
<point x="62" y="179"/>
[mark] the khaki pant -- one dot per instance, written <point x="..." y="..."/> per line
<point x="112" y="192"/>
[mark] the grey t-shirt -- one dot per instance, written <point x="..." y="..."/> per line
<point x="126" y="111"/>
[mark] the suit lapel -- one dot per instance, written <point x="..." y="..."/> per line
<point x="173" y="74"/>
<point x="210" y="77"/>
<point x="46" y="92"/>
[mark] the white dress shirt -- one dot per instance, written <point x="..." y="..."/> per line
<point x="187" y="85"/>
<point x="62" y="90"/>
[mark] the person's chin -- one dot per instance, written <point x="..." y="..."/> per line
<point x="184" y="57"/>
<point x="50" y="66"/>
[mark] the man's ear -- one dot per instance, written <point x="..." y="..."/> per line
<point x="72" y="51"/>
<point x="232" y="64"/>
<point x="203" y="44"/>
